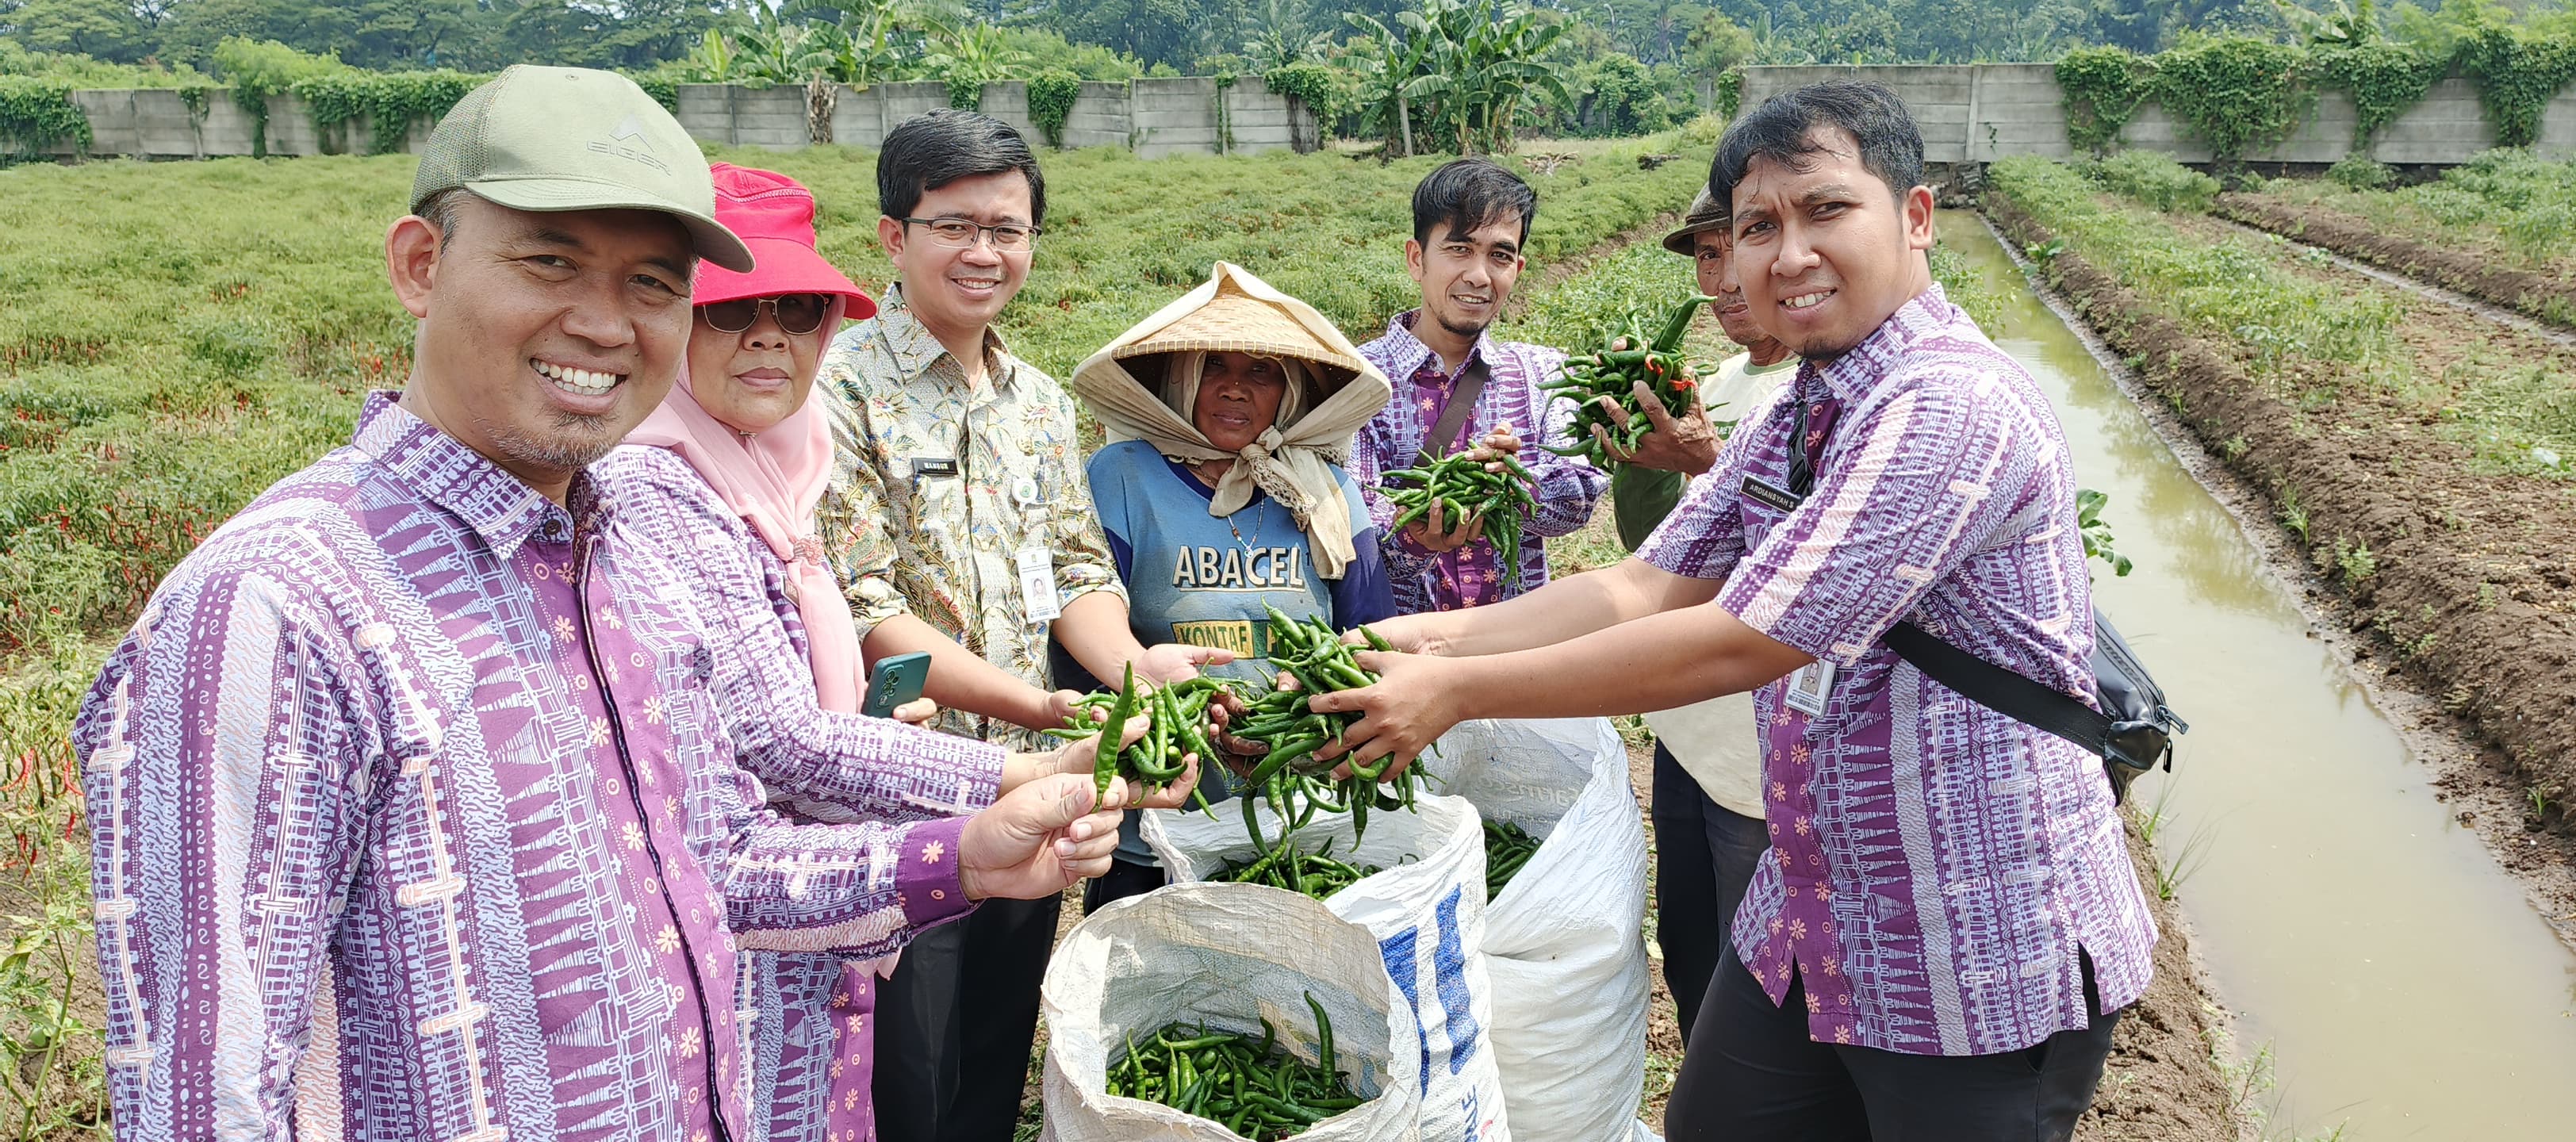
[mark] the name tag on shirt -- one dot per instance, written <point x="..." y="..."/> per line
<point x="1037" y="584"/>
<point x="1809" y="688"/>
<point x="1765" y="492"/>
<point x="928" y="466"/>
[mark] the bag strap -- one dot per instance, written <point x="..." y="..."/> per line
<point x="2003" y="691"/>
<point x="1453" y="416"/>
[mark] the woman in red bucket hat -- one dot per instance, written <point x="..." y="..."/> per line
<point x="740" y="419"/>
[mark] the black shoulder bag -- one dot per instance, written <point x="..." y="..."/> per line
<point x="2132" y="732"/>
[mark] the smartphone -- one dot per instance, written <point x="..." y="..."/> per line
<point x="893" y="682"/>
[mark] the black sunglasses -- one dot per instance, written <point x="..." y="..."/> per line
<point x="798" y="313"/>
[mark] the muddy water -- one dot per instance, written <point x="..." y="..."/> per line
<point x="2402" y="984"/>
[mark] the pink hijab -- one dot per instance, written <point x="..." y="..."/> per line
<point x="773" y="479"/>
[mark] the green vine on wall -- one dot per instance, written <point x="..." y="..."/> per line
<point x="965" y="93"/>
<point x="2517" y="74"/>
<point x="1224" y="115"/>
<point x="2384" y="79"/>
<point x="2102" y="88"/>
<point x="662" y="88"/>
<point x="390" y="102"/>
<point x="37" y="113"/>
<point x="1051" y="96"/>
<point x="1730" y="92"/>
<point x="2235" y="93"/>
<point x="1316" y="85"/>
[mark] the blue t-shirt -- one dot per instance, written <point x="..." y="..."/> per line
<point x="1201" y="579"/>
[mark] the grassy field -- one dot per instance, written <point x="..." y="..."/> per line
<point x="2518" y="204"/>
<point x="180" y="335"/>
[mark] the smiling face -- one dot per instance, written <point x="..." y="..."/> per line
<point x="1466" y="277"/>
<point x="753" y="379"/>
<point x="1825" y="251"/>
<point x="957" y="293"/>
<point x="1239" y="397"/>
<point x="543" y="337"/>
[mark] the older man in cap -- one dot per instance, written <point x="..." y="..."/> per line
<point x="1708" y="759"/>
<point x="414" y="789"/>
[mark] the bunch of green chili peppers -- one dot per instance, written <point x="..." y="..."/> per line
<point x="1179" y="728"/>
<point x="1255" y="1089"/>
<point x="1465" y="488"/>
<point x="1507" y="848"/>
<point x="1613" y="373"/>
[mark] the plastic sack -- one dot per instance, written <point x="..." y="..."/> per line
<point x="1232" y="955"/>
<point x="1427" y="911"/>
<point x="1565" y="942"/>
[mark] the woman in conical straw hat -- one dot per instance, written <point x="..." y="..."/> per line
<point x="1229" y="416"/>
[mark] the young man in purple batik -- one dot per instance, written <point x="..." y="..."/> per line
<point x="1471" y="219"/>
<point x="1946" y="925"/>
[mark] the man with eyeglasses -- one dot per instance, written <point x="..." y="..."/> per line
<point x="961" y="525"/>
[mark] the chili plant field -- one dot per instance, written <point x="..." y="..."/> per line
<point x="2501" y="228"/>
<point x="180" y="335"/>
<point x="2417" y="452"/>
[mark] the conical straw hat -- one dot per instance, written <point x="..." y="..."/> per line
<point x="1234" y="321"/>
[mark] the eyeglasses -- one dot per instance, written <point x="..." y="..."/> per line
<point x="960" y="234"/>
<point x="798" y="313"/>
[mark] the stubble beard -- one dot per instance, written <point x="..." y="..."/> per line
<point x="570" y="442"/>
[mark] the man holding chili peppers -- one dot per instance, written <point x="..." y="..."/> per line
<point x="1946" y="926"/>
<point x="1471" y="219"/>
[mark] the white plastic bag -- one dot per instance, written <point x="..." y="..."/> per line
<point x="1565" y="942"/>
<point x="1427" y="910"/>
<point x="1232" y="955"/>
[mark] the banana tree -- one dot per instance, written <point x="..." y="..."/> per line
<point x="1391" y="75"/>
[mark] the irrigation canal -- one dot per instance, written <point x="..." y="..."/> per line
<point x="2395" y="973"/>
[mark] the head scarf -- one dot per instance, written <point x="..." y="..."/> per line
<point x="1295" y="460"/>
<point x="773" y="479"/>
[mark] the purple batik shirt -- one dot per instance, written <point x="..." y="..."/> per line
<point x="1568" y="487"/>
<point x="1936" y="869"/>
<point x="417" y="815"/>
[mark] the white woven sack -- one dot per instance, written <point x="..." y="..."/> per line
<point x="1427" y="910"/>
<point x="1232" y="955"/>
<point x="1565" y="942"/>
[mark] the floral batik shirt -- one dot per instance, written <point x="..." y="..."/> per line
<point x="939" y="487"/>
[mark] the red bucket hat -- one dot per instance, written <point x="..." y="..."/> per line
<point x="774" y="215"/>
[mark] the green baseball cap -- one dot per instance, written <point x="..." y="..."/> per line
<point x="1705" y="215"/>
<point x="572" y="138"/>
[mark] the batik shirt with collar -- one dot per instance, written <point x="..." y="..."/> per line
<point x="417" y="814"/>
<point x="1568" y="487"/>
<point x="903" y="537"/>
<point x="1937" y="870"/>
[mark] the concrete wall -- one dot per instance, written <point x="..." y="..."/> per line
<point x="1155" y="116"/>
<point x="1983" y="112"/>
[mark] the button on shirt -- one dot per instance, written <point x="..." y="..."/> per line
<point x="417" y="814"/>
<point x="902" y="537"/>
<point x="1568" y="487"/>
<point x="1936" y="868"/>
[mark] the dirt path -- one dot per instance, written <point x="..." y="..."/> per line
<point x="2474" y="266"/>
<point x="2467" y="596"/>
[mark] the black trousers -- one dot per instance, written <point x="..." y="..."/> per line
<point x="955" y="1024"/>
<point x="1122" y="881"/>
<point x="1751" y="1074"/>
<point x="1705" y="854"/>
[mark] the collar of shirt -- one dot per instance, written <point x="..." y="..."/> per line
<point x="1424" y="369"/>
<point x="916" y="349"/>
<point x="501" y="509"/>
<point x="1851" y="376"/>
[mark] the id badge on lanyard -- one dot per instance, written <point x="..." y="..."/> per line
<point x="1810" y="686"/>
<point x="1036" y="563"/>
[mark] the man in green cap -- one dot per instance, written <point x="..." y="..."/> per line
<point x="415" y="793"/>
<point x="1708" y="761"/>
